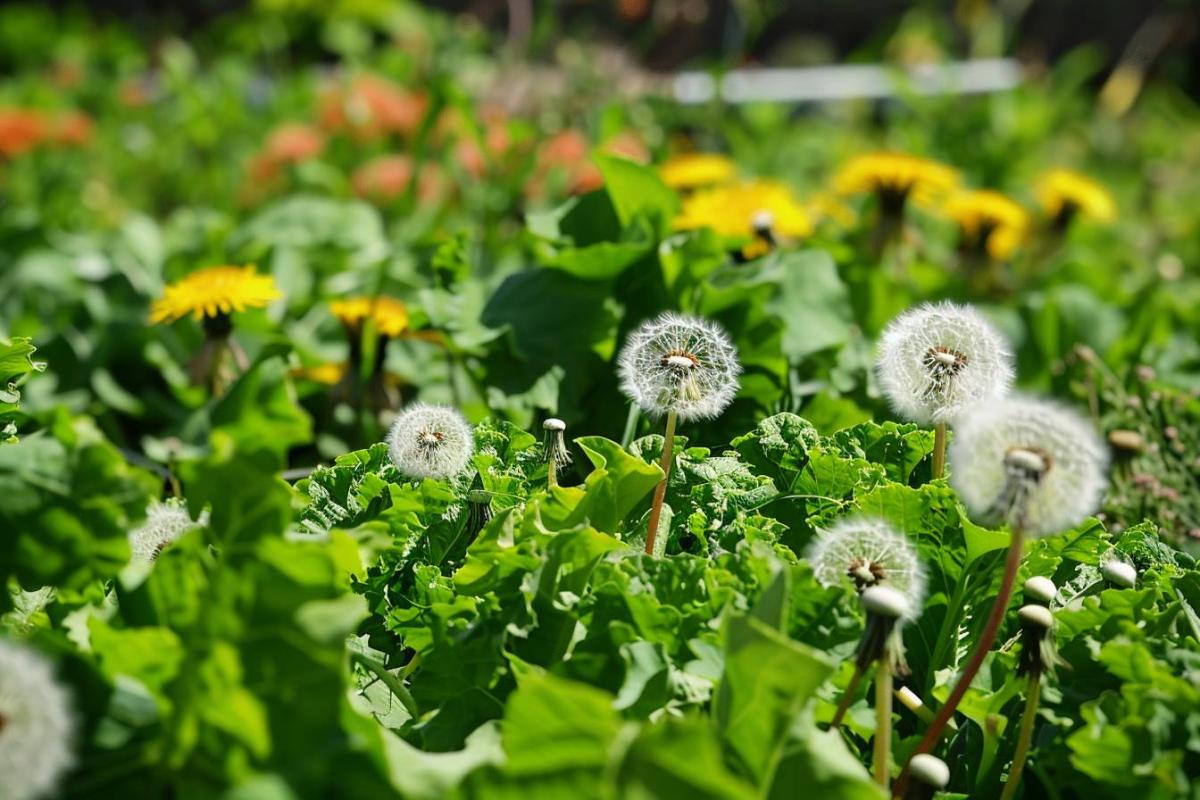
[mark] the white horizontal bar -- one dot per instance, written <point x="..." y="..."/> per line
<point x="847" y="82"/>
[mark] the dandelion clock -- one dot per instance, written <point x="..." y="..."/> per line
<point x="36" y="725"/>
<point x="681" y="368"/>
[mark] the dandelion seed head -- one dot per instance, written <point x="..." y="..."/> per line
<point x="37" y="727"/>
<point x="930" y="770"/>
<point x="869" y="552"/>
<point x="429" y="441"/>
<point x="681" y="364"/>
<point x="165" y="522"/>
<point x="938" y="360"/>
<point x="1028" y="461"/>
<point x="1040" y="589"/>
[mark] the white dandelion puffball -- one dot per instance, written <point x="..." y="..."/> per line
<point x="1028" y="462"/>
<point x="869" y="552"/>
<point x="165" y="522"/>
<point x="938" y="360"/>
<point x="681" y="364"/>
<point x="430" y="442"/>
<point x="36" y="725"/>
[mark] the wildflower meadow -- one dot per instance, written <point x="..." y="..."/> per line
<point x="635" y="400"/>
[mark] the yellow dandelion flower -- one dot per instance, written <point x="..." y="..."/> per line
<point x="989" y="219"/>
<point x="1063" y="192"/>
<point x="390" y="316"/>
<point x="697" y="170"/>
<point x="732" y="210"/>
<point x="214" y="291"/>
<point x="895" y="177"/>
<point x="328" y="373"/>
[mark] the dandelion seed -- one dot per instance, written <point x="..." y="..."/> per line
<point x="165" y="522"/>
<point x="937" y="361"/>
<point x="429" y="441"/>
<point x="1030" y="463"/>
<point x="869" y="552"/>
<point x="37" y="727"/>
<point x="680" y="364"/>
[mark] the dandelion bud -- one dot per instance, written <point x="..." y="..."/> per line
<point x="1036" y="616"/>
<point x="430" y="442"/>
<point x="1038" y="653"/>
<point x="867" y="553"/>
<point x="938" y="360"/>
<point x="556" y="446"/>
<point x="37" y="727"/>
<point x="1040" y="590"/>
<point x="1030" y="463"/>
<point x="165" y="522"/>
<point x="930" y="771"/>
<point x="1127" y="441"/>
<point x="1118" y="571"/>
<point x="680" y="364"/>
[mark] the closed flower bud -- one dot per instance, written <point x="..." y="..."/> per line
<point x="1118" y="571"/>
<point x="930" y="770"/>
<point x="1040" y="590"/>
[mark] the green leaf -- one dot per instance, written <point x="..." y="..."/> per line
<point x="636" y="190"/>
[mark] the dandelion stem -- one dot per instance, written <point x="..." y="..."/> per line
<point x="551" y="472"/>
<point x="939" y="450"/>
<point x="986" y="639"/>
<point x="660" y="492"/>
<point x="847" y="698"/>
<point x="635" y="413"/>
<point x="393" y="683"/>
<point x="1032" y="696"/>
<point x="883" y="722"/>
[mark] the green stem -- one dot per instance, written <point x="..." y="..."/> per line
<point x="939" y="450"/>
<point x="986" y="639"/>
<point x="847" y="698"/>
<point x="660" y="491"/>
<point x="393" y="683"/>
<point x="635" y="413"/>
<point x="1025" y="737"/>
<point x="883" y="722"/>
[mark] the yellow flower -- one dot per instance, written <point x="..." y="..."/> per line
<point x="214" y="291"/>
<point x="327" y="373"/>
<point x="828" y="206"/>
<point x="989" y="219"/>
<point x="898" y="175"/>
<point x="1062" y="191"/>
<point x="697" y="170"/>
<point x="390" y="316"/>
<point x="732" y="210"/>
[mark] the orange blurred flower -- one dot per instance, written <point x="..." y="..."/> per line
<point x="20" y="131"/>
<point x="386" y="178"/>
<point x="290" y="143"/>
<point x="371" y="107"/>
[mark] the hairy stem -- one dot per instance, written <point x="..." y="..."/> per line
<point x="847" y="698"/>
<point x="883" y="722"/>
<point x="986" y="639"/>
<point x="939" y="450"/>
<point x="1032" y="696"/>
<point x="660" y="491"/>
